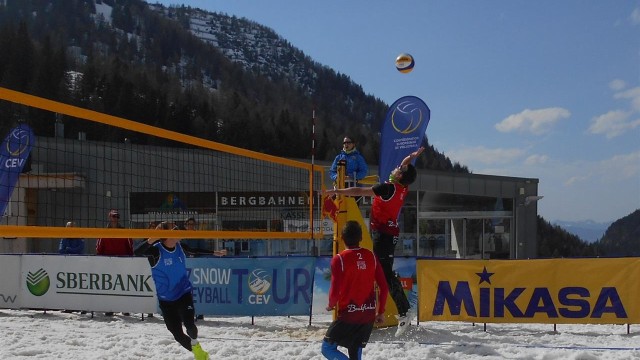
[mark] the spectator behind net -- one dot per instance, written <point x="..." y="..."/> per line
<point x="71" y="246"/>
<point x="114" y="246"/>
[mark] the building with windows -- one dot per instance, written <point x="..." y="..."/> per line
<point x="449" y="215"/>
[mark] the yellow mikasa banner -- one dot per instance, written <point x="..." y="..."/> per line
<point x="555" y="291"/>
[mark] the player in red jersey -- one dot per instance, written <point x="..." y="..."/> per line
<point x="388" y="199"/>
<point x="354" y="273"/>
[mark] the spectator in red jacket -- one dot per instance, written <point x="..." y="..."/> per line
<point x="114" y="246"/>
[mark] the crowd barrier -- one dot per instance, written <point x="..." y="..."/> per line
<point x="222" y="286"/>
<point x="554" y="291"/>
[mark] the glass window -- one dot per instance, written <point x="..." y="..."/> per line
<point x="430" y="201"/>
<point x="434" y="238"/>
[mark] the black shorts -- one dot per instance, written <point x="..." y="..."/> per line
<point x="348" y="335"/>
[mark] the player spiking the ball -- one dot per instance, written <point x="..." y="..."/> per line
<point x="173" y="287"/>
<point x="388" y="199"/>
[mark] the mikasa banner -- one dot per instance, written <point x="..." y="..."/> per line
<point x="555" y="291"/>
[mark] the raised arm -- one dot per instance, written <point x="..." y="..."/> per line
<point x="407" y="160"/>
<point x="191" y="251"/>
<point x="351" y="191"/>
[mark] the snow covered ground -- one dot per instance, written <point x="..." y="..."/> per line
<point x="28" y="334"/>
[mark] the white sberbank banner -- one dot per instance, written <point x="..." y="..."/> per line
<point x="92" y="283"/>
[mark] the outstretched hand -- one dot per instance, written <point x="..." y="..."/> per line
<point x="409" y="158"/>
<point x="417" y="152"/>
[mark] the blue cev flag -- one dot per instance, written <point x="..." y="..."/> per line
<point x="14" y="152"/>
<point x="402" y="132"/>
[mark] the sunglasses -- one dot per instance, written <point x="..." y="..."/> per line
<point x="347" y="142"/>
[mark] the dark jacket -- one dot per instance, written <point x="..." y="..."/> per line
<point x="71" y="246"/>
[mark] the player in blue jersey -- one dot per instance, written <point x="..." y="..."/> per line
<point x="173" y="288"/>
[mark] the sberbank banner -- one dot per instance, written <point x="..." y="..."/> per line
<point x="227" y="286"/>
<point x="558" y="291"/>
<point x="93" y="283"/>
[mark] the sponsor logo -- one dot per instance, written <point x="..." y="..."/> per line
<point x="100" y="283"/>
<point x="38" y="282"/>
<point x="274" y="285"/>
<point x="407" y="117"/>
<point x="259" y="281"/>
<point x="18" y="142"/>
<point x="572" y="302"/>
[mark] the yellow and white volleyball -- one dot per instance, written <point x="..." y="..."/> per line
<point x="405" y="63"/>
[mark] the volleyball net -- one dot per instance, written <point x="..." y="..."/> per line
<point x="152" y="175"/>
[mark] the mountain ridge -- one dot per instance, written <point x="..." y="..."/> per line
<point x="588" y="230"/>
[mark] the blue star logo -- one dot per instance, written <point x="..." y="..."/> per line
<point x="485" y="276"/>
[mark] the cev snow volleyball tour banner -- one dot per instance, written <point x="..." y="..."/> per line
<point x="252" y="286"/>
<point x="402" y="132"/>
<point x="553" y="291"/>
<point x="14" y="152"/>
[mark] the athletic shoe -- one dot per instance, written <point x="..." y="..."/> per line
<point x="198" y="353"/>
<point x="404" y="322"/>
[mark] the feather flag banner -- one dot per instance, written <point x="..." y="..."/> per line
<point x="402" y="132"/>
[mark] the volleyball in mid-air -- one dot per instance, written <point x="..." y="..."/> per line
<point x="405" y="63"/>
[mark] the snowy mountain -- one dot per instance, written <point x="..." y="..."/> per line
<point x="588" y="230"/>
<point x="255" y="47"/>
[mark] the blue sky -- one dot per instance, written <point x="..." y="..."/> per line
<point x="541" y="89"/>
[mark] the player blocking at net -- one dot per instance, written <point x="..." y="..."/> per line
<point x="388" y="199"/>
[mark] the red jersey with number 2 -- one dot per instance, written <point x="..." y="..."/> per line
<point x="354" y="273"/>
<point x="386" y="207"/>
